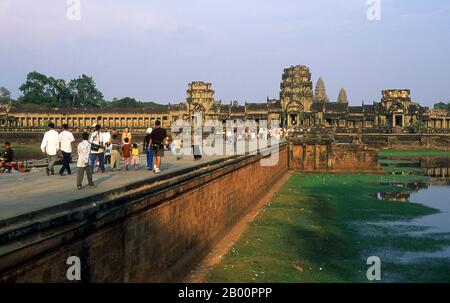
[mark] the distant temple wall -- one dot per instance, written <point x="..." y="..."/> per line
<point x="297" y="107"/>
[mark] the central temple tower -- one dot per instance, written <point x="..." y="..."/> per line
<point x="200" y="96"/>
<point x="296" y="95"/>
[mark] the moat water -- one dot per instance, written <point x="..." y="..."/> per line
<point x="433" y="192"/>
<point x="436" y="225"/>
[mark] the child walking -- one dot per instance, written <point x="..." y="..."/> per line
<point x="126" y="152"/>
<point x="135" y="154"/>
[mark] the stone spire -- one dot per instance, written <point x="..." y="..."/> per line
<point x="320" y="94"/>
<point x="342" y="96"/>
<point x="296" y="86"/>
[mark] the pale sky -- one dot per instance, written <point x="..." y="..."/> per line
<point x="151" y="50"/>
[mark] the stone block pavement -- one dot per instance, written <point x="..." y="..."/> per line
<point x="22" y="193"/>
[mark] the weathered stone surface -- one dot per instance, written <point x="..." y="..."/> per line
<point x="151" y="234"/>
<point x="342" y="98"/>
<point x="334" y="158"/>
<point x="320" y="94"/>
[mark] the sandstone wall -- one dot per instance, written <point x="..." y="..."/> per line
<point x="150" y="235"/>
<point x="334" y="158"/>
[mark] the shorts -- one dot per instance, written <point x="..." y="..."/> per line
<point x="135" y="160"/>
<point x="127" y="160"/>
<point x="158" y="152"/>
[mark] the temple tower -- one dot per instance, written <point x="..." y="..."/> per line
<point x="200" y="96"/>
<point x="320" y="93"/>
<point x="295" y="94"/>
<point x="396" y="104"/>
<point x="342" y="96"/>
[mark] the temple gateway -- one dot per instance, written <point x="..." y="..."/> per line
<point x="298" y="106"/>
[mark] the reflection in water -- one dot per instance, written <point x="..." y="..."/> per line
<point x="404" y="194"/>
<point x="410" y="188"/>
<point x="434" y="193"/>
<point x="433" y="166"/>
<point x="430" y="166"/>
<point x="397" y="197"/>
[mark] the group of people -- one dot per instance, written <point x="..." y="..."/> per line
<point x="100" y="147"/>
<point x="251" y="134"/>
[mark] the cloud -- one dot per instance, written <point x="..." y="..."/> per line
<point x="45" y="21"/>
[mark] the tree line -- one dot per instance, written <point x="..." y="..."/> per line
<point x="442" y="105"/>
<point x="80" y="92"/>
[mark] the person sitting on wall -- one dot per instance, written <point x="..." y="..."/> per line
<point x="7" y="157"/>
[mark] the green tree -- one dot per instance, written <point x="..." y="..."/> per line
<point x="84" y="93"/>
<point x="125" y="102"/>
<point x="442" y="105"/>
<point x="39" y="89"/>
<point x="419" y="126"/>
<point x="5" y="95"/>
<point x="129" y="102"/>
<point x="61" y="92"/>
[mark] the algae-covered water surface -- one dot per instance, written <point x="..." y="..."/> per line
<point x="323" y="228"/>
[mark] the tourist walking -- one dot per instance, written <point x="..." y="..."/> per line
<point x="106" y="135"/>
<point x="177" y="145"/>
<point x="126" y="153"/>
<point x="158" y="139"/>
<point x="97" y="149"/>
<point x="148" y="149"/>
<point x="106" y="138"/>
<point x="108" y="152"/>
<point x="84" y="152"/>
<point x="65" y="139"/>
<point x="116" y="152"/>
<point x="50" y="146"/>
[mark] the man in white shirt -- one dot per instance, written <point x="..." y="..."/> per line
<point x="97" y="149"/>
<point x="106" y="138"/>
<point x="84" y="150"/>
<point x="106" y="135"/>
<point x="65" y="140"/>
<point x="50" y="146"/>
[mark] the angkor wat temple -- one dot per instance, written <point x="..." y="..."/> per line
<point x="298" y="106"/>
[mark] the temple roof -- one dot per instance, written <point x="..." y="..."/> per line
<point x="94" y="111"/>
<point x="336" y="107"/>
<point x="317" y="106"/>
<point x="355" y="109"/>
<point x="238" y="109"/>
<point x="274" y="104"/>
<point x="224" y="109"/>
<point x="178" y="107"/>
<point x="334" y="116"/>
<point x="256" y="106"/>
<point x="369" y="109"/>
<point x="215" y="106"/>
